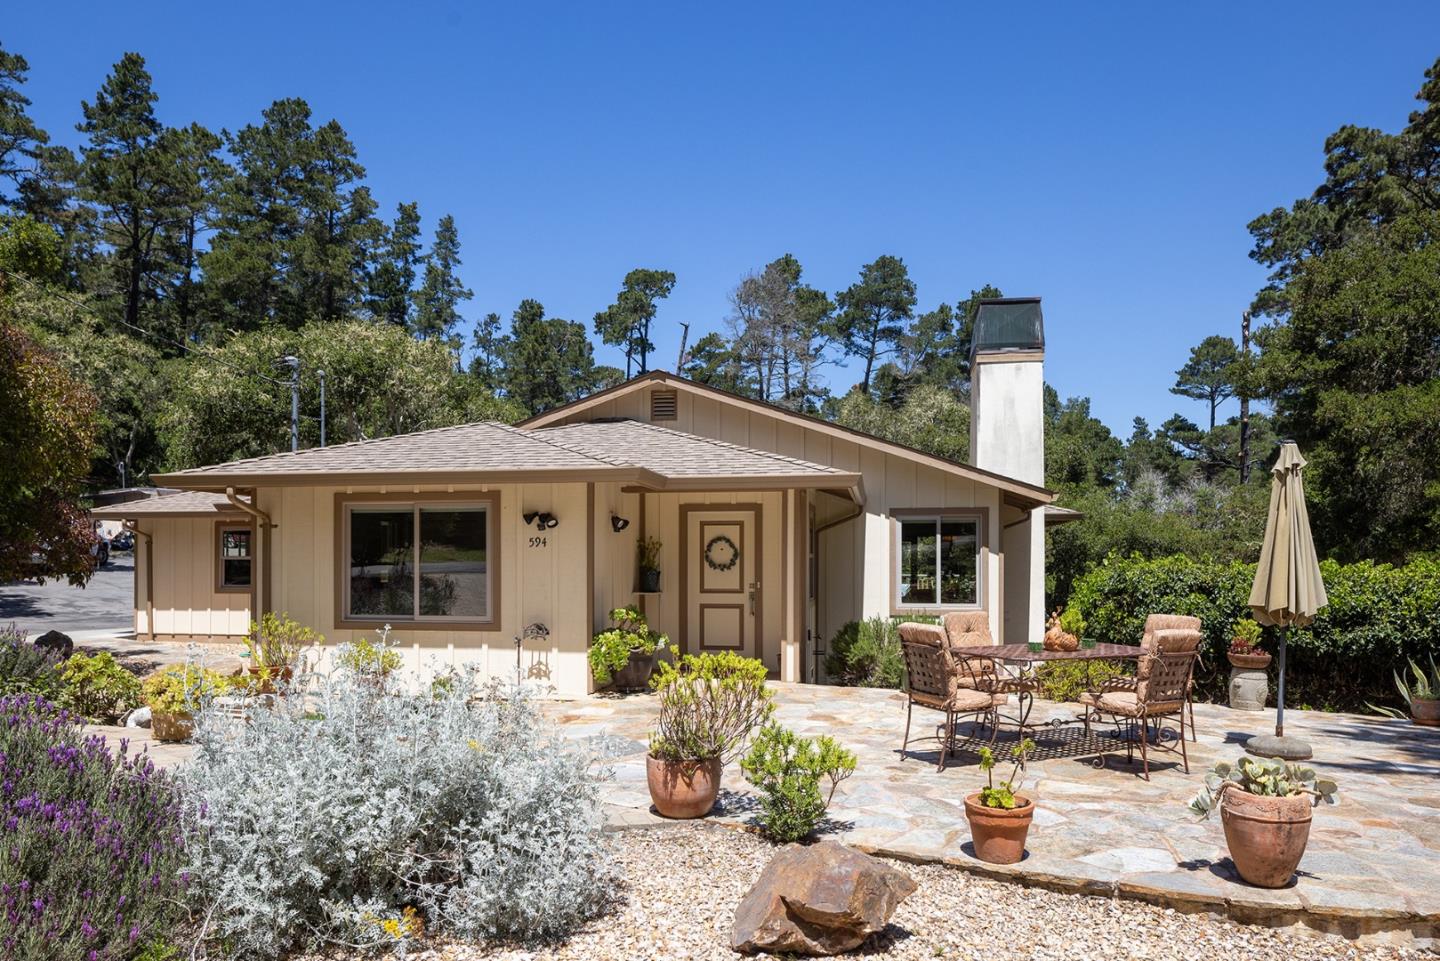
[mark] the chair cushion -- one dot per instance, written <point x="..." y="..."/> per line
<point x="968" y="629"/>
<point x="963" y="701"/>
<point x="1125" y="703"/>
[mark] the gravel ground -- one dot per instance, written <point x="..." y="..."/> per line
<point x="683" y="884"/>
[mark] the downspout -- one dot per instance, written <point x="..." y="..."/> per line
<point x="134" y="528"/>
<point x="265" y="525"/>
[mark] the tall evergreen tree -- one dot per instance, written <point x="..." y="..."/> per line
<point x="437" y="307"/>
<point x="873" y="312"/>
<point x="626" y="323"/>
<point x="197" y="171"/>
<point x="1209" y="374"/>
<point x="338" y="228"/>
<point x="548" y="361"/>
<point x="392" y="282"/>
<point x="20" y="138"/>
<point x="488" y="344"/>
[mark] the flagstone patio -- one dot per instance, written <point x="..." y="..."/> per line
<point x="1372" y="867"/>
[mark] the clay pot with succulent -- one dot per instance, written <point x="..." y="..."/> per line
<point x="1249" y="686"/>
<point x="999" y="818"/>
<point x="275" y="645"/>
<point x="175" y="693"/>
<point x="1423" y="696"/>
<point x="623" y="656"/>
<point x="1265" y="809"/>
<point x="1244" y="651"/>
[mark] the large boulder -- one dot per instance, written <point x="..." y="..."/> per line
<point x="821" y="899"/>
<point x="59" y="645"/>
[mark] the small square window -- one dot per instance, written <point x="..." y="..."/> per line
<point x="236" y="558"/>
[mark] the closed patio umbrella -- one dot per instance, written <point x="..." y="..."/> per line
<point x="1288" y="589"/>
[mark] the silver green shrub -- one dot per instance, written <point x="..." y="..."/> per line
<point x="353" y="815"/>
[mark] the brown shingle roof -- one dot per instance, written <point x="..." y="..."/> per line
<point x="183" y="504"/>
<point x="673" y="453"/>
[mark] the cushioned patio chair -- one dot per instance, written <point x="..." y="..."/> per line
<point x="1165" y="622"/>
<point x="971" y="629"/>
<point x="1160" y="687"/>
<point x="935" y="679"/>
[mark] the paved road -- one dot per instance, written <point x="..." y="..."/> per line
<point x="102" y="607"/>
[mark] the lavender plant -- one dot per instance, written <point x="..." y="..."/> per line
<point x="90" y="843"/>
<point x="321" y="820"/>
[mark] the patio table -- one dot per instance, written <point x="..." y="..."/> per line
<point x="1022" y="682"/>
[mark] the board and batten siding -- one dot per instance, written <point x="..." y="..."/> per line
<point x="180" y="559"/>
<point x="856" y="558"/>
<point x="536" y="584"/>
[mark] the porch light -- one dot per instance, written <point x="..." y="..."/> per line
<point x="618" y="523"/>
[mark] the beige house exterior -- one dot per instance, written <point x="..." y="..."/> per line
<point x="776" y="530"/>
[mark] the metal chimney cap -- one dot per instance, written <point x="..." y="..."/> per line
<point x="1008" y="324"/>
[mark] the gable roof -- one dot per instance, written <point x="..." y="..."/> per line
<point x="1024" y="494"/>
<point x="652" y="457"/>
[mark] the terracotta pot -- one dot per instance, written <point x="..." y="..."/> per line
<point x="171" y="727"/>
<point x="999" y="834"/>
<point x="1266" y="835"/>
<point x="1256" y="661"/>
<point x="635" y="675"/>
<point x="683" y="789"/>
<point x="267" y="684"/>
<point x="1425" y="713"/>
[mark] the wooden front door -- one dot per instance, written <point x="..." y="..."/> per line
<point x="722" y="576"/>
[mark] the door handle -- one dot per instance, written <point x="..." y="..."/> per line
<point x="754" y="590"/>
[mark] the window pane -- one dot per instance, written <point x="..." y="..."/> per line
<point x="453" y="569"/>
<point x="381" y="549"/>
<point x="234" y="543"/>
<point x="917" y="562"/>
<point x="236" y="573"/>
<point x="959" y="562"/>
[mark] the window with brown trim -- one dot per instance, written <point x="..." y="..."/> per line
<point x="938" y="560"/>
<point x="419" y="562"/>
<point x="236" y="562"/>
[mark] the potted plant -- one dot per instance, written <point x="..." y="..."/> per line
<point x="275" y="645"/>
<point x="1244" y="652"/>
<point x="1423" y="697"/>
<point x="647" y="556"/>
<point x="370" y="661"/>
<point x="173" y="694"/>
<point x="1265" y="808"/>
<point x="999" y="818"/>
<point x="1063" y="630"/>
<point x="709" y="704"/>
<point x="624" y="655"/>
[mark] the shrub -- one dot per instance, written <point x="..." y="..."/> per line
<point x="335" y="815"/>
<point x="787" y="770"/>
<point x="1378" y="616"/>
<point x="25" y="668"/>
<point x="372" y="659"/>
<point x="1065" y="680"/>
<point x="182" y="688"/>
<point x="90" y="841"/>
<point x="610" y="650"/>
<point x="277" y="641"/>
<point x="97" y="687"/>
<point x="709" y="704"/>
<point x="867" y="654"/>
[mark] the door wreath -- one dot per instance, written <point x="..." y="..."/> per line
<point x="717" y="560"/>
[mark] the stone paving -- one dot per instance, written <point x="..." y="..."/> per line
<point x="1372" y="866"/>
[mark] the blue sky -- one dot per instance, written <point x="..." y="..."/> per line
<point x="1106" y="157"/>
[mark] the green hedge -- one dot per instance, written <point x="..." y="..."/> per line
<point x="1378" y="616"/>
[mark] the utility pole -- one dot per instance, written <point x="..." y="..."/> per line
<point x="321" y="375"/>
<point x="293" y="362"/>
<point x="684" y="340"/>
<point x="1245" y="399"/>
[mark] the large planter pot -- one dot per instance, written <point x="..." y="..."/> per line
<point x="683" y="789"/>
<point x="1249" y="689"/>
<point x="649" y="582"/>
<point x="635" y="675"/>
<point x="999" y="834"/>
<point x="1266" y="835"/>
<point x="1258" y="661"/>
<point x="171" y="727"/>
<point x="1425" y="713"/>
<point x="266" y="684"/>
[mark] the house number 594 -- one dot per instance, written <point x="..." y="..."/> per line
<point x="537" y="542"/>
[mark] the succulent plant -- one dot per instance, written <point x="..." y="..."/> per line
<point x="1265" y="777"/>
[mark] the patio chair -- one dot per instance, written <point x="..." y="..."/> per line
<point x="971" y="629"/>
<point x="1160" y="688"/>
<point x="933" y="679"/>
<point x="1164" y="622"/>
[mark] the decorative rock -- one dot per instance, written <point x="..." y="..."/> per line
<point x="140" y="717"/>
<point x="56" y="643"/>
<point x="823" y="899"/>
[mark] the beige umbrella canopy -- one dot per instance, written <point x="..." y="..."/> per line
<point x="1288" y="589"/>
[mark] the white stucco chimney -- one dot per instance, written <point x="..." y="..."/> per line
<point x="1007" y="436"/>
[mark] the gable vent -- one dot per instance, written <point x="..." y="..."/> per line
<point x="663" y="405"/>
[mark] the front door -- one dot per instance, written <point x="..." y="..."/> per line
<point x="722" y="597"/>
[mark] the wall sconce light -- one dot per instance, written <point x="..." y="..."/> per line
<point x="530" y="517"/>
<point x="618" y="523"/>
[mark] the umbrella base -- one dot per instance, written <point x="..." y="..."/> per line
<point x="1284" y="748"/>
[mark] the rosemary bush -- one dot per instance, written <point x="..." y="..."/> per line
<point x="356" y="817"/>
<point x="709" y="704"/>
<point x="90" y="852"/>
<point x="25" y="668"/>
<point x="787" y="770"/>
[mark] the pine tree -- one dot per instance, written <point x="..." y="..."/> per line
<point x="438" y="301"/>
<point x="873" y="312"/>
<point x="626" y="323"/>
<point x="548" y="361"/>
<point x="489" y="346"/>
<point x="392" y="282"/>
<point x="20" y="138"/>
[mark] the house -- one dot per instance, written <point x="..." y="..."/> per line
<point x="776" y="528"/>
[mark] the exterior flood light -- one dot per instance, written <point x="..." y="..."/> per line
<point x="618" y="523"/>
<point x="546" y="521"/>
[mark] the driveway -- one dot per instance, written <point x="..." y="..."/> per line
<point x="103" y="607"/>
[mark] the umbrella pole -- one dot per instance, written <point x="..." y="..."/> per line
<point x="1280" y="691"/>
